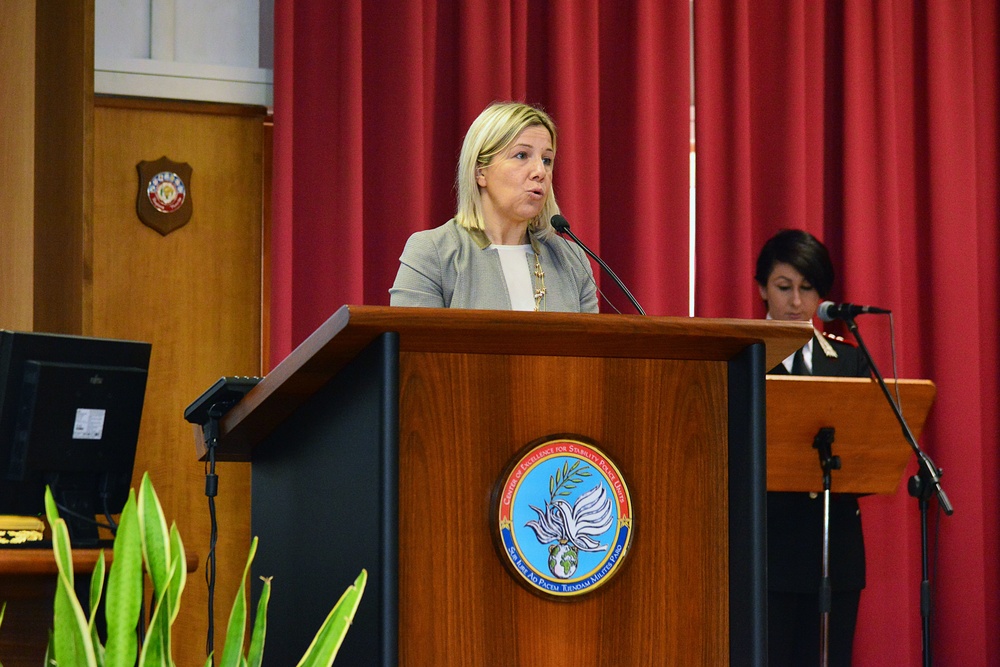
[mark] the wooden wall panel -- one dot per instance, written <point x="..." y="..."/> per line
<point x="74" y="258"/>
<point x="17" y="163"/>
<point x="46" y="107"/>
<point x="64" y="94"/>
<point x="196" y="295"/>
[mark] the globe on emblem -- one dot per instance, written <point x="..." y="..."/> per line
<point x="563" y="560"/>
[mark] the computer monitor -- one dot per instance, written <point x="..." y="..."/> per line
<point x="70" y="408"/>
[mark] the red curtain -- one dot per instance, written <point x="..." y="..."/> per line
<point x="874" y="126"/>
<point x="372" y="100"/>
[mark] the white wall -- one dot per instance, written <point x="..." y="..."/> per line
<point x="185" y="49"/>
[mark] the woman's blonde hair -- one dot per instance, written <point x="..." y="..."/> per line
<point x="490" y="134"/>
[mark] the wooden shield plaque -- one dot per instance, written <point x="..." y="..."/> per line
<point x="163" y="201"/>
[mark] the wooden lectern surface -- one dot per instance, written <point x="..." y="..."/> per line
<point x="867" y="437"/>
<point x="351" y="328"/>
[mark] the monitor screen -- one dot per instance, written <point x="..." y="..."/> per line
<point x="70" y="408"/>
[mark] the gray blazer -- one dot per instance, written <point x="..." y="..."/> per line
<point x="450" y="267"/>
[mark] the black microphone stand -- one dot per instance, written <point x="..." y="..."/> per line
<point x="927" y="481"/>
<point x="823" y="443"/>
<point x="562" y="226"/>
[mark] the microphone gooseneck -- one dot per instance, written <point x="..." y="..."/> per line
<point x="828" y="311"/>
<point x="561" y="225"/>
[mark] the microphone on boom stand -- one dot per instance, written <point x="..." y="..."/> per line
<point x="923" y="485"/>
<point x="561" y="225"/>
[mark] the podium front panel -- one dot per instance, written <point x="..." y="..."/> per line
<point x="464" y="416"/>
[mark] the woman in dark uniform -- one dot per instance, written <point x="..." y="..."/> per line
<point x="793" y="274"/>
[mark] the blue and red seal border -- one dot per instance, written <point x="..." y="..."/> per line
<point x="512" y="539"/>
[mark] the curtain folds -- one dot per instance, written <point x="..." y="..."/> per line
<point x="372" y="101"/>
<point x="874" y="126"/>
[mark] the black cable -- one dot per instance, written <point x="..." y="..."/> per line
<point x="106" y="506"/>
<point x="561" y="225"/>
<point x="211" y="479"/>
<point x="63" y="510"/>
<point x="590" y="275"/>
<point x="211" y="431"/>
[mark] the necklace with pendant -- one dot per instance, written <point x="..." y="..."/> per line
<point x="539" y="284"/>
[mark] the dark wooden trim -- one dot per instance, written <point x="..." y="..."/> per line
<point x="23" y="561"/>
<point x="266" y="180"/>
<point x="64" y="165"/>
<point x="179" y="106"/>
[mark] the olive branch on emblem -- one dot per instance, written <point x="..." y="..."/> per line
<point x="567" y="479"/>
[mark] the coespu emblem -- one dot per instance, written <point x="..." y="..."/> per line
<point x="562" y="517"/>
<point x="164" y="198"/>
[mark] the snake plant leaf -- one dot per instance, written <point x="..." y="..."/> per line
<point x="72" y="645"/>
<point x="60" y="548"/>
<point x="97" y="584"/>
<point x="96" y="591"/>
<point x="232" y="651"/>
<point x="155" y="538"/>
<point x="50" y="656"/>
<point x="156" y="649"/>
<point x="326" y="643"/>
<point x="124" y="599"/>
<point x="177" y="582"/>
<point x="256" y="653"/>
<point x="99" y="651"/>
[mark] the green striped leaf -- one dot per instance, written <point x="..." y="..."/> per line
<point x="96" y="590"/>
<point x="232" y="651"/>
<point x="71" y="641"/>
<point x="155" y="538"/>
<point x="178" y="581"/>
<point x="124" y="599"/>
<point x="259" y="632"/>
<point x="325" y="645"/>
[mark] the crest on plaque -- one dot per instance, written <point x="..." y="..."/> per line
<point x="562" y="517"/>
<point x="164" y="198"/>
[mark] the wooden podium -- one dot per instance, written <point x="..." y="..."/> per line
<point x="377" y="443"/>
<point x="868" y="439"/>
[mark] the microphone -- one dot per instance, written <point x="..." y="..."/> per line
<point x="829" y="311"/>
<point x="561" y="225"/>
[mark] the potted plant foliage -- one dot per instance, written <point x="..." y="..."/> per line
<point x="143" y="541"/>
